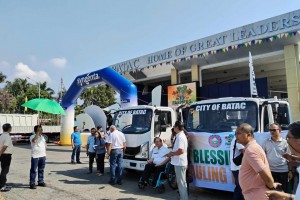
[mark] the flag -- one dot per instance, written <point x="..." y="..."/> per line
<point x="253" y="89"/>
<point x="25" y="109"/>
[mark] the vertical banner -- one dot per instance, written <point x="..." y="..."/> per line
<point x="253" y="88"/>
<point x="182" y="94"/>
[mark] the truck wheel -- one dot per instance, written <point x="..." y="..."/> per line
<point x="141" y="185"/>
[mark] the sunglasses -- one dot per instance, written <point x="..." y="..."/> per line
<point x="273" y="130"/>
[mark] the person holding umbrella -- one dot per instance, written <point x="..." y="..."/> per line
<point x="38" y="157"/>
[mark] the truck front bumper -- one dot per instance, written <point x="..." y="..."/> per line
<point x="134" y="164"/>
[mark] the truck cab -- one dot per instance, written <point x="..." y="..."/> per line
<point x="140" y="125"/>
<point x="225" y="114"/>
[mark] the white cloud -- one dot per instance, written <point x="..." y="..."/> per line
<point x="59" y="62"/>
<point x="23" y="71"/>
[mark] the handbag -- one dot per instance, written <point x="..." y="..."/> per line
<point x="237" y="160"/>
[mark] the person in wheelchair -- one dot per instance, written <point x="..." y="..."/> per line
<point x="157" y="162"/>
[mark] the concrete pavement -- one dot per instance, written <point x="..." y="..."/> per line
<point x="66" y="181"/>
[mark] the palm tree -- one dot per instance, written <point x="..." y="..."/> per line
<point x="50" y="92"/>
<point x="17" y="87"/>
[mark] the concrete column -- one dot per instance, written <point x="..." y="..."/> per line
<point x="174" y="76"/>
<point x="195" y="72"/>
<point x="291" y="58"/>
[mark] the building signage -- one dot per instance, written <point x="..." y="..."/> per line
<point x="273" y="26"/>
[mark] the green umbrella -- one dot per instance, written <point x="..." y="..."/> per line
<point x="44" y="105"/>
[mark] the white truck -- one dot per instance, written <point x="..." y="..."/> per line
<point x="22" y="126"/>
<point x="211" y="125"/>
<point x="141" y="124"/>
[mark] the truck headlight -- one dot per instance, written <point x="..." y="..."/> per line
<point x="144" y="151"/>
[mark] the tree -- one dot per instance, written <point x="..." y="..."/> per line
<point x="21" y="88"/>
<point x="102" y="96"/>
<point x="17" y="87"/>
<point x="2" y="77"/>
<point x="7" y="102"/>
<point x="48" y="92"/>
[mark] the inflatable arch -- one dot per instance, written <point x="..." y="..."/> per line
<point x="126" y="89"/>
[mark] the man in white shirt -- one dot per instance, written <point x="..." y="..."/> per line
<point x="6" y="150"/>
<point x="157" y="162"/>
<point x="235" y="150"/>
<point x="116" y="146"/>
<point x="38" y="157"/>
<point x="179" y="159"/>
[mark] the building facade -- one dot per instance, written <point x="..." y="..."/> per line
<point x="223" y="59"/>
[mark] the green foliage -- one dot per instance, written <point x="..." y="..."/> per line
<point x="102" y="96"/>
<point x="20" y="89"/>
<point x="7" y="102"/>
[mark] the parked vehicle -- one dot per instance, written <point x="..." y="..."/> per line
<point x="211" y="125"/>
<point x="22" y="127"/>
<point x="141" y="124"/>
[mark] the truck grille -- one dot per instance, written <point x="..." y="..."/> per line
<point x="132" y="151"/>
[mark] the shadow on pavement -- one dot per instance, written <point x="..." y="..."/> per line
<point x="19" y="185"/>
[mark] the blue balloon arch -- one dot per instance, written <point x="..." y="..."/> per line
<point x="126" y="89"/>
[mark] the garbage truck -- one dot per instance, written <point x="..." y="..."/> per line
<point x="211" y="125"/>
<point x="141" y="124"/>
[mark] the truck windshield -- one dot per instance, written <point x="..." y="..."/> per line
<point x="222" y="117"/>
<point x="134" y="121"/>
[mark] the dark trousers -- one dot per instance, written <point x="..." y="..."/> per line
<point x="40" y="164"/>
<point x="92" y="157"/>
<point x="76" y="151"/>
<point x="150" y="168"/>
<point x="281" y="177"/>
<point x="237" y="193"/>
<point x="116" y="161"/>
<point x="100" y="162"/>
<point x="5" y="164"/>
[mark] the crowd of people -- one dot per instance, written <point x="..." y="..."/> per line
<point x="267" y="171"/>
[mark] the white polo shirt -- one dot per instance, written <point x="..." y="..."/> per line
<point x="5" y="140"/>
<point x="116" y="139"/>
<point x="180" y="143"/>
<point x="38" y="149"/>
<point x="158" y="153"/>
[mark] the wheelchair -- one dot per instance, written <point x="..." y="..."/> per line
<point x="167" y="176"/>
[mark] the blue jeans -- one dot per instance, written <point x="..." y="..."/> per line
<point x="116" y="159"/>
<point x="40" y="164"/>
<point x="237" y="194"/>
<point x="76" y="151"/>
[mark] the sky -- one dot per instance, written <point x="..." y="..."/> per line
<point x="53" y="39"/>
